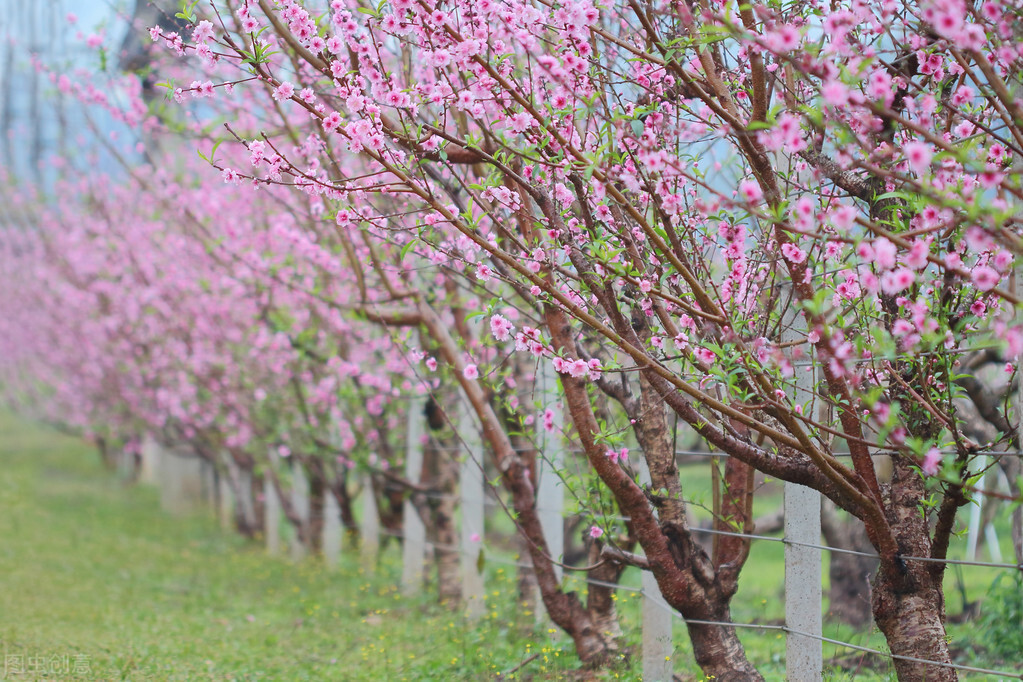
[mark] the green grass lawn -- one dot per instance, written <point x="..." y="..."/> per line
<point x="92" y="573"/>
<point x="95" y="578"/>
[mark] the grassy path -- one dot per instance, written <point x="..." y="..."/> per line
<point x="94" y="578"/>
<point x="96" y="583"/>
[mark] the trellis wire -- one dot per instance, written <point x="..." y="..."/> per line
<point x="785" y="541"/>
<point x="884" y="452"/>
<point x="837" y="642"/>
<point x="655" y="599"/>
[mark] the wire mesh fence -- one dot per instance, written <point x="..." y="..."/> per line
<point x="486" y="495"/>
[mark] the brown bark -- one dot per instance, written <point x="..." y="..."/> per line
<point x="440" y="474"/>
<point x="908" y="603"/>
<point x="317" y="490"/>
<point x="258" y="505"/>
<point x="288" y="509"/>
<point x="245" y="517"/>
<point x="685" y="574"/>
<point x="339" y="488"/>
<point x="564" y="609"/>
<point x="600" y="600"/>
<point x="390" y="506"/>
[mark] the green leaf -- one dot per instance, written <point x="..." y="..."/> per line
<point x="408" y="247"/>
<point x="481" y="561"/>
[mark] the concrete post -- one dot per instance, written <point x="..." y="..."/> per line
<point x="472" y="494"/>
<point x="804" y="656"/>
<point x="272" y="512"/>
<point x="300" y="503"/>
<point x="413" y="530"/>
<point x="369" y="526"/>
<point x="332" y="530"/>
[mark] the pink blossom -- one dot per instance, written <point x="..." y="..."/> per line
<point x="548" y="420"/>
<point x="578" y="368"/>
<point x="885" y="253"/>
<point x="335" y="44"/>
<point x="202" y="32"/>
<point x="843" y="217"/>
<point x="750" y="191"/>
<point x="470" y="372"/>
<point x="283" y="91"/>
<point x="595" y="532"/>
<point x="501" y="328"/>
<point x="918" y="155"/>
<point x="984" y="278"/>
<point x="705" y="355"/>
<point x="835" y="93"/>
<point x="932" y="462"/>
<point x="332" y="122"/>
<point x="896" y="281"/>
<point x="793" y="253"/>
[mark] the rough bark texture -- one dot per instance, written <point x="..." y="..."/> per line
<point x="339" y="488"/>
<point x="600" y="601"/>
<point x="685" y="574"/>
<point x="245" y="517"/>
<point x="440" y="475"/>
<point x="317" y="489"/>
<point x="908" y="602"/>
<point x="565" y="609"/>
<point x="390" y="505"/>
<point x="258" y="505"/>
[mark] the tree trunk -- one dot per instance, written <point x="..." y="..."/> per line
<point x="909" y="606"/>
<point x="719" y="652"/>
<point x="564" y="608"/>
<point x="689" y="580"/>
<point x="344" y="503"/>
<point x="449" y="584"/>
<point x="600" y="601"/>
<point x="317" y="489"/>
<point x="440" y="475"/>
<point x="912" y="622"/>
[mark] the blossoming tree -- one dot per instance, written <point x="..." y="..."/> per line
<point x="793" y="227"/>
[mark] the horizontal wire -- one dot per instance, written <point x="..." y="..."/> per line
<point x="857" y="647"/>
<point x="755" y="626"/>
<point x="848" y="645"/>
<point x="704" y="453"/>
<point x="827" y="548"/>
